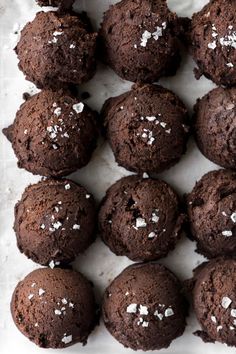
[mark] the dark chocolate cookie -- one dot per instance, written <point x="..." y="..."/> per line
<point x="53" y="134"/>
<point x="55" y="221"/>
<point x="146" y="128"/>
<point x="214" y="297"/>
<point x="215" y="126"/>
<point x="57" y="49"/>
<point x="141" y="218"/>
<point x="143" y="308"/>
<point x="138" y="40"/>
<point x="54" y="308"/>
<point x="212" y="213"/>
<point x="213" y="41"/>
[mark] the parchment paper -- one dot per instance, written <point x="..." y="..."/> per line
<point x="98" y="263"/>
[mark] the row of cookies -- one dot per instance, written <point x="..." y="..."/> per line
<point x="140" y="40"/>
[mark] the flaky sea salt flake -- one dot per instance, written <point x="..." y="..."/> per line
<point x="145" y="324"/>
<point x="225" y="302"/>
<point x="150" y="118"/>
<point x="159" y="315"/>
<point x="169" y="312"/>
<point x="41" y="292"/>
<point x="76" y="227"/>
<point x="132" y="308"/>
<point x="57" y="111"/>
<point x="227" y="233"/>
<point x="57" y="33"/>
<point x="57" y="312"/>
<point x="233" y="217"/>
<point x="163" y="124"/>
<point x="140" y="222"/>
<point x="233" y="312"/>
<point x="145" y="37"/>
<point x="157" y="33"/>
<point x="213" y="318"/>
<point x="151" y="235"/>
<point x="78" y="107"/>
<point x="143" y="310"/>
<point x="67" y="339"/>
<point x="57" y="225"/>
<point x="155" y="218"/>
<point x="52" y="264"/>
<point x="212" y="45"/>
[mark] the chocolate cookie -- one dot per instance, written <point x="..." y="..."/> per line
<point x="143" y="308"/>
<point x="146" y="128"/>
<point x="215" y="126"/>
<point x="212" y="213"/>
<point x="141" y="218"/>
<point x="53" y="134"/>
<point x="213" y="41"/>
<point x="138" y="40"/>
<point x="55" y="221"/>
<point x="57" y="49"/>
<point x="214" y="297"/>
<point x="54" y="308"/>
